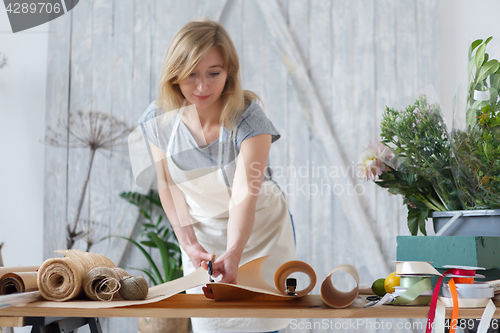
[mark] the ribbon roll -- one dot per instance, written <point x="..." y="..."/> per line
<point x="290" y="267"/>
<point x="409" y="281"/>
<point x="419" y="286"/>
<point x="465" y="302"/>
<point x="469" y="292"/>
<point x="415" y="267"/>
<point x="463" y="272"/>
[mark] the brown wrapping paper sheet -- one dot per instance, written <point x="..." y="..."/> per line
<point x="251" y="285"/>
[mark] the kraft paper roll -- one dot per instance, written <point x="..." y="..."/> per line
<point x="335" y="298"/>
<point x="61" y="279"/>
<point x="251" y="283"/>
<point x="288" y="269"/>
<point x="18" y="282"/>
<point x="18" y="269"/>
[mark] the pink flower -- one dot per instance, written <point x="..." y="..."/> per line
<point x="371" y="162"/>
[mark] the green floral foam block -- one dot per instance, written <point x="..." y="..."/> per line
<point x="452" y="250"/>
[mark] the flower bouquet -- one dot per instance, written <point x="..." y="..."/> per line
<point x="437" y="170"/>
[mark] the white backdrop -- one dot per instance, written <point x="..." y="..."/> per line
<point x="22" y="126"/>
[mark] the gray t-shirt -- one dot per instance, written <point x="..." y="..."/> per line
<point x="186" y="153"/>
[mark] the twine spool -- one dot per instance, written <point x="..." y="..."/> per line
<point x="61" y="279"/>
<point x="102" y="283"/>
<point x="134" y="288"/>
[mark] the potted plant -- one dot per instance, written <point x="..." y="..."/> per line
<point x="156" y="234"/>
<point x="443" y="174"/>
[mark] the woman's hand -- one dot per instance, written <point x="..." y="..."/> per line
<point x="227" y="266"/>
<point x="197" y="254"/>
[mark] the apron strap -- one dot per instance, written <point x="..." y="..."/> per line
<point x="219" y="159"/>
<point x="174" y="129"/>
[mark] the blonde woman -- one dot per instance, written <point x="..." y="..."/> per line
<point x="210" y="141"/>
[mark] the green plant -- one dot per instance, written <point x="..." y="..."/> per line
<point x="433" y="169"/>
<point x="476" y="150"/>
<point x="156" y="234"/>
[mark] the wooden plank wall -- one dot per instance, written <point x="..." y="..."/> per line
<point x="360" y="56"/>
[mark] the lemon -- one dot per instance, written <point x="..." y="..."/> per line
<point x="378" y="287"/>
<point x="390" y="282"/>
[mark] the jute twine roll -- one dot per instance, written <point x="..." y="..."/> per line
<point x="61" y="279"/>
<point x="134" y="287"/>
<point x="103" y="283"/>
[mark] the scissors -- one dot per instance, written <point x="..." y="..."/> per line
<point x="210" y="267"/>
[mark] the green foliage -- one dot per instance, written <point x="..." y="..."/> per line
<point x="419" y="196"/>
<point x="420" y="141"/>
<point x="476" y="151"/>
<point x="436" y="171"/>
<point x="156" y="235"/>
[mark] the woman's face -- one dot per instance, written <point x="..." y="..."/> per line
<point x="204" y="86"/>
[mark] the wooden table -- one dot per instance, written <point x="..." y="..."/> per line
<point x="186" y="306"/>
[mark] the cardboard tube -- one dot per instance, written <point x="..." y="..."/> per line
<point x="335" y="298"/>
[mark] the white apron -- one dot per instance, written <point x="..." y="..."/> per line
<point x="207" y="197"/>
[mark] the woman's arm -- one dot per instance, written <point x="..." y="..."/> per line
<point x="250" y="171"/>
<point x="174" y="205"/>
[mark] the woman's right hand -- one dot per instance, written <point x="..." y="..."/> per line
<point x="197" y="254"/>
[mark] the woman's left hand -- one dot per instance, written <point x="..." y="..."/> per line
<point x="227" y="266"/>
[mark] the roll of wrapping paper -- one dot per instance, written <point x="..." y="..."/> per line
<point x="252" y="285"/>
<point x="17" y="269"/>
<point x="20" y="282"/>
<point x="335" y="298"/>
<point x="61" y="279"/>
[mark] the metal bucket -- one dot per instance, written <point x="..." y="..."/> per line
<point x="467" y="223"/>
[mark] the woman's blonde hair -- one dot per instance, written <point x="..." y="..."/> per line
<point x="186" y="49"/>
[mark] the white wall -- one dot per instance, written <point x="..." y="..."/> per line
<point x="22" y="126"/>
<point x="460" y="23"/>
